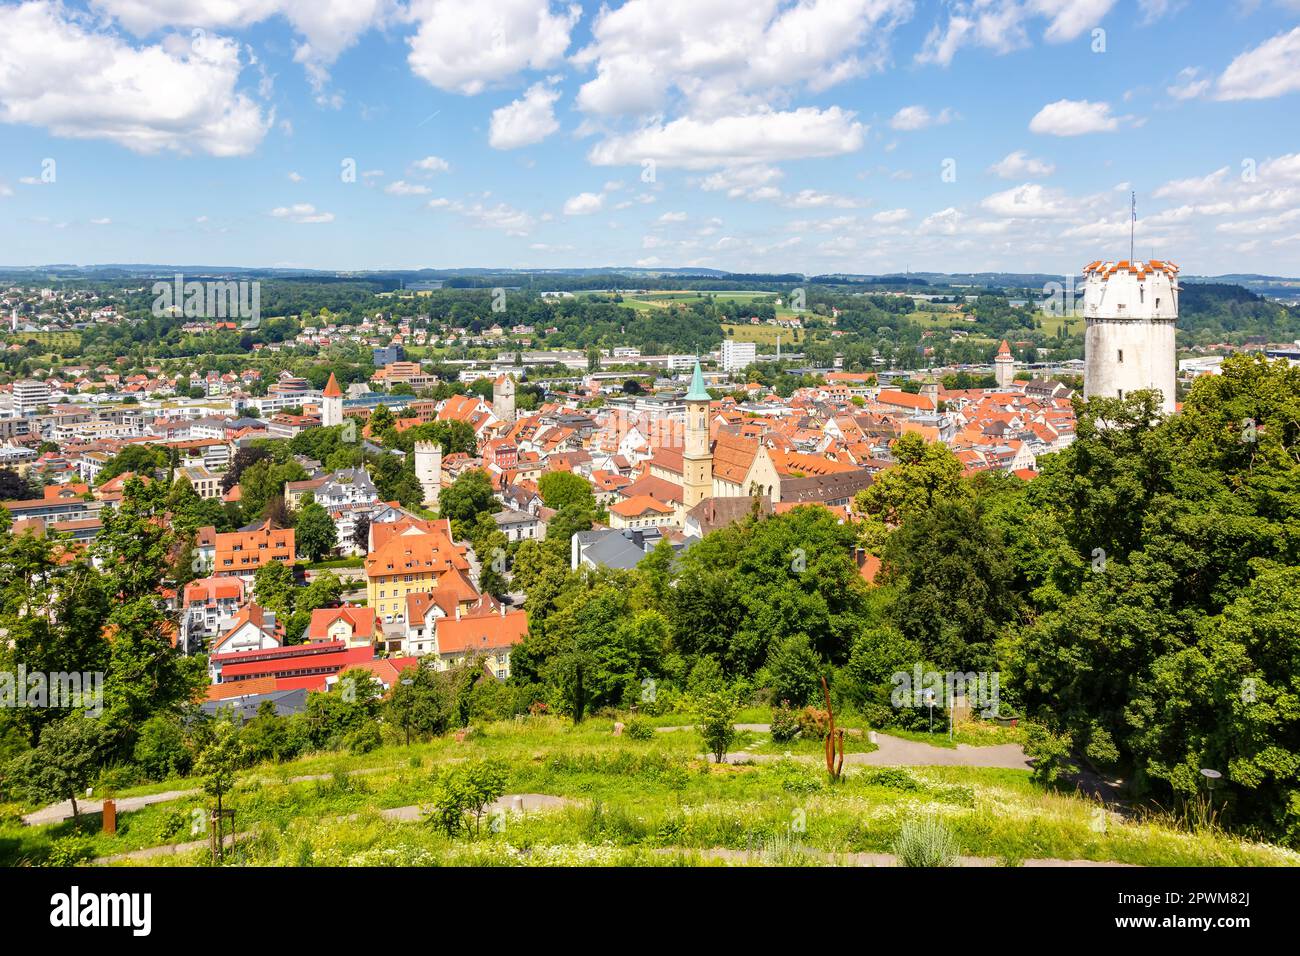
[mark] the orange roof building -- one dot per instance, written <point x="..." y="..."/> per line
<point x="243" y="552"/>
<point x="409" y="555"/>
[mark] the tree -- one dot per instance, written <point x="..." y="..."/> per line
<point x="14" y="487"/>
<point x="562" y="489"/>
<point x="216" y="767"/>
<point x="134" y="545"/>
<point x="794" y="669"/>
<point x="952" y="580"/>
<point x="63" y="763"/>
<point x="927" y="472"/>
<point x="469" y="496"/>
<point x="146" y="460"/>
<point x="273" y="587"/>
<point x="381" y="420"/>
<point x="717" y="723"/>
<point x="466" y="791"/>
<point x="361" y="532"/>
<point x="245" y="456"/>
<point x="160" y="749"/>
<point x="314" y="531"/>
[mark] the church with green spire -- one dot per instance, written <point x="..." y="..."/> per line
<point x="697" y="457"/>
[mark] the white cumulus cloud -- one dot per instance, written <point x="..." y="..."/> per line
<point x="464" y="45"/>
<point x="58" y="74"/>
<point x="1073" y="118"/>
<point x="527" y="120"/>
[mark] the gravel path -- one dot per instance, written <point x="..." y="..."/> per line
<point x="898" y="752"/>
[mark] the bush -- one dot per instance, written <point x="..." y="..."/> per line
<point x="895" y="778"/>
<point x="785" y="723"/>
<point x="926" y="841"/>
<point x="1050" y="753"/>
<point x="364" y="739"/>
<point x="794" y="669"/>
<point x="814" y="724"/>
<point x="706" y="678"/>
<point x="118" y="777"/>
<point x="466" y="791"/>
<point x="638" y="729"/>
<point x="160" y="749"/>
<point x="70" y="851"/>
<point x="717" y="716"/>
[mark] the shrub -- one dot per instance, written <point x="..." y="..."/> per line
<point x="1050" y="753"/>
<point x="160" y="749"/>
<point x="638" y="729"/>
<point x="70" y="851"/>
<point x="814" y="724"/>
<point x="705" y="678"/>
<point x="466" y="791"/>
<point x="785" y="723"/>
<point x="895" y="778"/>
<point x="364" y="739"/>
<point x="717" y="716"/>
<point x="793" y="669"/>
<point x="925" y="841"/>
<point x="796" y="778"/>
<point x="118" y="777"/>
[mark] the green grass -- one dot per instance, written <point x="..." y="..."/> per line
<point x="650" y="802"/>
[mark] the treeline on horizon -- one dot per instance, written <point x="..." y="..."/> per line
<point x="878" y="326"/>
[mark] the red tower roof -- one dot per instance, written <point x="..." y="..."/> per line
<point x="332" y="389"/>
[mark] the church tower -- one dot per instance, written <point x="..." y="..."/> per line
<point x="331" y="406"/>
<point x="1130" y="311"/>
<point x="1004" y="365"/>
<point x="697" y="458"/>
<point x="503" y="398"/>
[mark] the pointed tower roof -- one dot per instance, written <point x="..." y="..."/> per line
<point x="1004" y="349"/>
<point x="698" y="392"/>
<point x="332" y="389"/>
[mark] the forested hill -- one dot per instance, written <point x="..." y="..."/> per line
<point x="1208" y="311"/>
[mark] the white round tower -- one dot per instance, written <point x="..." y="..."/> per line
<point x="428" y="470"/>
<point x="1130" y="312"/>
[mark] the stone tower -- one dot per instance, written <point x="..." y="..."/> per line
<point x="697" y="458"/>
<point x="1004" y="365"/>
<point x="331" y="405"/>
<point x="428" y="470"/>
<point x="1130" y="311"/>
<point x="503" y="398"/>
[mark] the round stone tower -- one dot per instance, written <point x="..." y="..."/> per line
<point x="1130" y="311"/>
<point x="428" y="470"/>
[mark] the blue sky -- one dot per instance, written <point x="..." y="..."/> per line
<point x="750" y="135"/>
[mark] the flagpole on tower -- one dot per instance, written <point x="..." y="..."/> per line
<point x="1132" y="226"/>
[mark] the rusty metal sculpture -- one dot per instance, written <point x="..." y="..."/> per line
<point x="833" y="738"/>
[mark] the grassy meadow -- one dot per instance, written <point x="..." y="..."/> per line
<point x="622" y="801"/>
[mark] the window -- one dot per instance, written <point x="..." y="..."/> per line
<point x="1121" y="356"/>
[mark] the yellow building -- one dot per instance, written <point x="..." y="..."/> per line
<point x="407" y="557"/>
